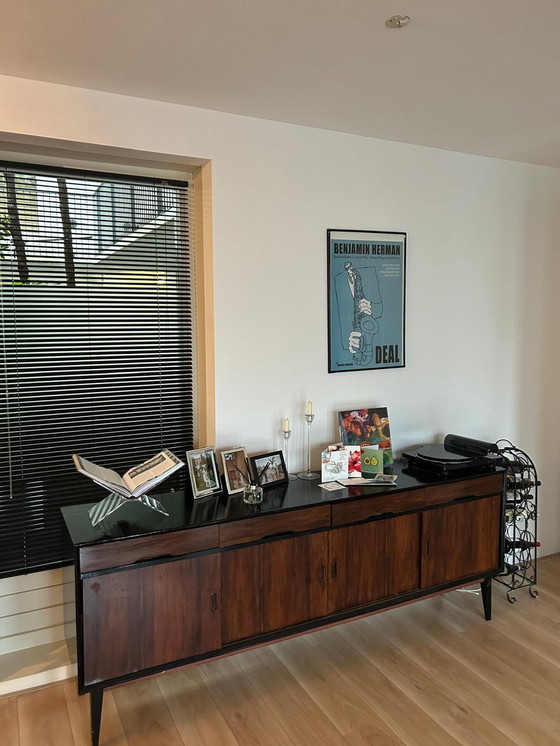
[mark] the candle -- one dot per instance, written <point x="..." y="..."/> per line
<point x="309" y="408"/>
<point x="286" y="425"/>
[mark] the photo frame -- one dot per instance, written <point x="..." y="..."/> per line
<point x="236" y="469"/>
<point x="203" y="472"/>
<point x="366" y="273"/>
<point x="274" y="468"/>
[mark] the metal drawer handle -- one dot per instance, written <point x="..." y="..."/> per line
<point x="213" y="601"/>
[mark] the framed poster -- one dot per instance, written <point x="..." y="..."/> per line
<point x="366" y="296"/>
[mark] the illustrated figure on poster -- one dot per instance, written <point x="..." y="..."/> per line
<point x="358" y="307"/>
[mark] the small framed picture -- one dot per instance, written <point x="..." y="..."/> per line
<point x="236" y="469"/>
<point x="203" y="471"/>
<point x="269" y="468"/>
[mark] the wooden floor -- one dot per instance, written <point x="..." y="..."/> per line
<point x="432" y="674"/>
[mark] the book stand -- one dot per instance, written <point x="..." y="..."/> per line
<point x="114" y="501"/>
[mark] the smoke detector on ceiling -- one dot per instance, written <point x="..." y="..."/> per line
<point x="397" y="21"/>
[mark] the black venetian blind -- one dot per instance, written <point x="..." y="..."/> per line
<point x="96" y="343"/>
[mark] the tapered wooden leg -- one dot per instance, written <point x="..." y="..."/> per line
<point x="96" y="705"/>
<point x="486" y="588"/>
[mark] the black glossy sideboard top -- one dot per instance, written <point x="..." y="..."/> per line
<point x="135" y="519"/>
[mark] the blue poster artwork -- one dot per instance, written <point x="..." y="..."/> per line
<point x="366" y="276"/>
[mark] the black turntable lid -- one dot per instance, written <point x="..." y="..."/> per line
<point x="440" y="453"/>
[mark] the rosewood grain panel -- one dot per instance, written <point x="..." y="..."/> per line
<point x="489" y="484"/>
<point x="181" y="609"/>
<point x="402" y="554"/>
<point x="112" y="625"/>
<point x="241" y="608"/>
<point x="373" y="561"/>
<point x="357" y="565"/>
<point x="128" y="551"/>
<point x="460" y="540"/>
<point x="399" y="502"/>
<point x="294" y="580"/>
<point x="262" y="527"/>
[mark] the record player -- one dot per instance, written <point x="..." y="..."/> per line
<point x="455" y="457"/>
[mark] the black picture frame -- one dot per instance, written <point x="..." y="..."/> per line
<point x="276" y="473"/>
<point x="366" y="290"/>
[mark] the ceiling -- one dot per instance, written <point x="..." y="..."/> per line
<point x="478" y="76"/>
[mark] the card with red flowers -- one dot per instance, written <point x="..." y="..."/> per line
<point x="354" y="461"/>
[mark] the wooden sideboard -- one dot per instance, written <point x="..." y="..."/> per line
<point x="218" y="576"/>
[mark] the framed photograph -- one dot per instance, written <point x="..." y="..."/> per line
<point x="203" y="472"/>
<point x="366" y="299"/>
<point x="236" y="469"/>
<point x="269" y="468"/>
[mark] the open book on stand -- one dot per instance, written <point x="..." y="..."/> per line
<point x="137" y="481"/>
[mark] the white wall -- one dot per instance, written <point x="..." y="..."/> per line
<point x="482" y="306"/>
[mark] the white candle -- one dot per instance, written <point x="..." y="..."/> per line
<point x="286" y="426"/>
<point x="309" y="408"/>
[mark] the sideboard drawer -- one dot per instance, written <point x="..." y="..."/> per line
<point x="129" y="551"/>
<point x="400" y="502"/>
<point x="263" y="527"/>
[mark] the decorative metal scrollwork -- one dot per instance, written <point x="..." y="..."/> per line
<point x="520" y="539"/>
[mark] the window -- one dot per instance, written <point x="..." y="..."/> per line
<point x="96" y="339"/>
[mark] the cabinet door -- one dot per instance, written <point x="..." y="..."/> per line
<point x="402" y="566"/>
<point x="373" y="561"/>
<point x="241" y="609"/>
<point x="357" y="565"/>
<point x="294" y="580"/>
<point x="460" y="540"/>
<point x="112" y="625"/>
<point x="181" y="615"/>
<point x="149" y="616"/>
